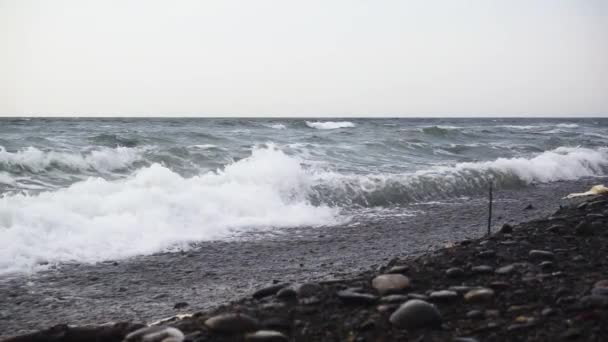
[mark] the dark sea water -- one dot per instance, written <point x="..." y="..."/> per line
<point x="89" y="190"/>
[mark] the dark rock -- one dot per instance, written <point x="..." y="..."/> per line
<point x="475" y="314"/>
<point x="460" y="288"/>
<point x="351" y="297"/>
<point x="546" y="264"/>
<point x="556" y="228"/>
<point x="593" y="302"/>
<point x="443" y="296"/>
<point x="232" y="323"/>
<point x="479" y="295"/>
<point x="482" y="269"/>
<point x="455" y="272"/>
<point x="505" y="269"/>
<point x="487" y="254"/>
<point x="398" y="269"/>
<point x="268" y="291"/>
<point x="287" y="293"/>
<point x="541" y="255"/>
<point x="416" y="314"/>
<point x="394" y="299"/>
<point x="600" y="288"/>
<point x="506" y="229"/>
<point x="547" y="312"/>
<point x="529" y="207"/>
<point x="582" y="206"/>
<point x="583" y="228"/>
<point x="417" y="296"/>
<point x="307" y="290"/>
<point x="180" y="305"/>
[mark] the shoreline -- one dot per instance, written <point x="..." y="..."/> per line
<point x="549" y="295"/>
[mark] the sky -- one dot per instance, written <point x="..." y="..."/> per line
<point x="304" y="58"/>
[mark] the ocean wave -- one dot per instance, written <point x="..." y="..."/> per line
<point x="101" y="159"/>
<point x="462" y="179"/>
<point x="6" y="179"/>
<point x="278" y="126"/>
<point x="153" y="210"/>
<point x="329" y="124"/>
<point x="566" y="125"/>
<point x="156" y="209"/>
<point x="114" y="140"/>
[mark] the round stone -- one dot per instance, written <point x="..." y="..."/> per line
<point x="479" y="295"/>
<point x="482" y="269"/>
<point x="416" y="314"/>
<point x="391" y="283"/>
<point x="539" y="254"/>
<point x="307" y="290"/>
<point x="443" y="295"/>
<point x="351" y="297"/>
<point x="505" y="269"/>
<point x="454" y="272"/>
<point x="232" y="323"/>
<point x="266" y="336"/>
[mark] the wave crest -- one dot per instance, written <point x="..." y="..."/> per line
<point x="34" y="160"/>
<point x="329" y="124"/>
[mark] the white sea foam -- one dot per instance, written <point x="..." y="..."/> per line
<point x="205" y="146"/>
<point x="278" y="126"/>
<point x="566" y="125"/>
<point x="153" y="210"/>
<point x="5" y="178"/>
<point x="101" y="159"/>
<point x="329" y="124"/>
<point x="156" y="209"/>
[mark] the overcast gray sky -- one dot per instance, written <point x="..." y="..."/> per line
<point x="304" y="58"/>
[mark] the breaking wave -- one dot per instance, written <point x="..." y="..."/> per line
<point x="156" y="209"/>
<point x="329" y="124"/>
<point x="102" y="159"/>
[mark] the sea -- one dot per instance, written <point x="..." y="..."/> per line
<point x="88" y="190"/>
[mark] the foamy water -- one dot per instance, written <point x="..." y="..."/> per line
<point x="93" y="199"/>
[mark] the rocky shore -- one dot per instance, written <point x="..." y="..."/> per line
<point x="542" y="280"/>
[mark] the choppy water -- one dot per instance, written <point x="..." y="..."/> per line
<point x="93" y="189"/>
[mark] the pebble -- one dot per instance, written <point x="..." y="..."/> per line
<point x="464" y="339"/>
<point x="287" y="293"/>
<point x="390" y="283"/>
<point x="499" y="285"/>
<point x="487" y="254"/>
<point x="546" y="264"/>
<point x="482" y="269"/>
<point x="454" y="272"/>
<point x="307" y="290"/>
<point x="417" y="296"/>
<point x="351" y="297"/>
<point x="593" y="302"/>
<point x="506" y="229"/>
<point x="547" y="312"/>
<point x="180" y="305"/>
<point x="398" y="269"/>
<point x="492" y="313"/>
<point x="268" y="291"/>
<point x="443" y="295"/>
<point x="475" y="314"/>
<point x="540" y="254"/>
<point x="505" y="269"/>
<point x="394" y="299"/>
<point x="415" y="314"/>
<point x="155" y="334"/>
<point x="600" y="288"/>
<point x="479" y="295"/>
<point x="460" y="288"/>
<point x="583" y="228"/>
<point x="232" y="323"/>
<point x="555" y="228"/>
<point x="266" y="336"/>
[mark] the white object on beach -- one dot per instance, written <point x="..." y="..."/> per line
<point x="595" y="190"/>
